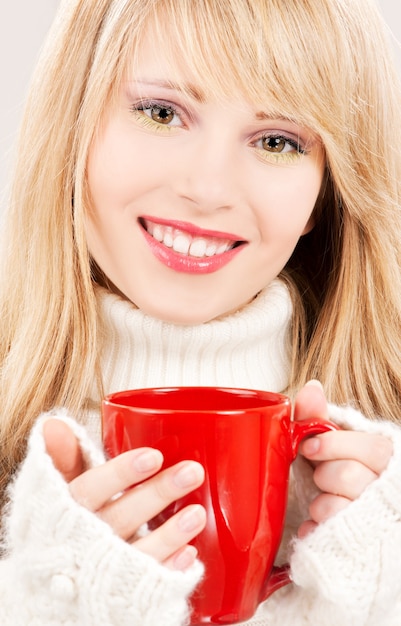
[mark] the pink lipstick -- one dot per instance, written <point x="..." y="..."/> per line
<point x="185" y="247"/>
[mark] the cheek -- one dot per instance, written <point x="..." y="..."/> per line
<point x="118" y="167"/>
<point x="302" y="197"/>
<point x="108" y="173"/>
<point x="307" y="197"/>
<point x="287" y="210"/>
<point x="108" y="197"/>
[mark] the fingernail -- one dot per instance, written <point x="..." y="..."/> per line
<point x="188" y="476"/>
<point x="185" y="558"/>
<point x="315" y="383"/>
<point x="311" y="446"/>
<point x="147" y="460"/>
<point x="192" y="518"/>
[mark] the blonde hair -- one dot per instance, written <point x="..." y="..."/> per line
<point x="324" y="63"/>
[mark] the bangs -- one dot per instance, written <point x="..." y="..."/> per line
<point x="269" y="51"/>
<point x="322" y="64"/>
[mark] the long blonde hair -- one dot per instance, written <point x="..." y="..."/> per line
<point x="324" y="63"/>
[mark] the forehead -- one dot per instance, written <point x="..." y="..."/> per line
<point x="165" y="57"/>
<point x="275" y="54"/>
<point x="167" y="72"/>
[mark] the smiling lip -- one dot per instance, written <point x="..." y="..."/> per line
<point x="185" y="247"/>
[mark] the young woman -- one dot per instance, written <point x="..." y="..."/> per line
<point x="205" y="193"/>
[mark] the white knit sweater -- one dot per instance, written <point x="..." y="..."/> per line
<point x="65" y="567"/>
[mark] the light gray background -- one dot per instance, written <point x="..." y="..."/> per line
<point x="23" y="25"/>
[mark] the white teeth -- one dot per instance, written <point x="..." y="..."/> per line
<point x="184" y="243"/>
<point x="168" y="238"/>
<point x="181" y="244"/>
<point x="223" y="247"/>
<point x="198" y="247"/>
<point x="157" y="231"/>
<point x="211" y="249"/>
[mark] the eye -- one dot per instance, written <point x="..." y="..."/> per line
<point x="160" y="114"/>
<point x="277" y="148"/>
<point x="157" y="114"/>
<point x="278" y="144"/>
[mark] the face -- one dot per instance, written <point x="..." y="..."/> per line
<point x="197" y="204"/>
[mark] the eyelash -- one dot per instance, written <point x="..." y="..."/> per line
<point x="280" y="157"/>
<point x="145" y="120"/>
<point x="139" y="112"/>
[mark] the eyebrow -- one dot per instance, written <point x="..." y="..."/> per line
<point x="164" y="84"/>
<point x="199" y="96"/>
<point x="262" y="115"/>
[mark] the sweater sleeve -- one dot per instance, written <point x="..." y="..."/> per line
<point x="347" y="571"/>
<point x="65" y="566"/>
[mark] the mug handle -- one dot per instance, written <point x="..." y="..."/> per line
<point x="281" y="576"/>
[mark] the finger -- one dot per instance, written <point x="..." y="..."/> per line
<point x="306" y="528"/>
<point x="310" y="402"/>
<point x="343" y="478"/>
<point x="182" y="559"/>
<point x="166" y="540"/>
<point x="325" y="506"/>
<point x="94" y="488"/>
<point x="374" y="451"/>
<point x="141" y="504"/>
<point x="63" y="447"/>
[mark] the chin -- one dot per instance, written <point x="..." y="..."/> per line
<point x="181" y="318"/>
<point x="184" y="314"/>
<point x="180" y="311"/>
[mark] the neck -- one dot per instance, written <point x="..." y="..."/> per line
<point x="249" y="348"/>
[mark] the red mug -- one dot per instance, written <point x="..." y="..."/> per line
<point x="246" y="441"/>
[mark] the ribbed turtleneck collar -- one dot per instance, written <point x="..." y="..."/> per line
<point x="248" y="348"/>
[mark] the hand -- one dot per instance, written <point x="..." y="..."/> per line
<point x="345" y="462"/>
<point x="103" y="490"/>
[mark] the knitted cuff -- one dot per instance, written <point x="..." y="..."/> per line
<point x="353" y="558"/>
<point x="72" y="568"/>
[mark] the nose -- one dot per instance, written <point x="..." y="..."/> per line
<point x="210" y="175"/>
